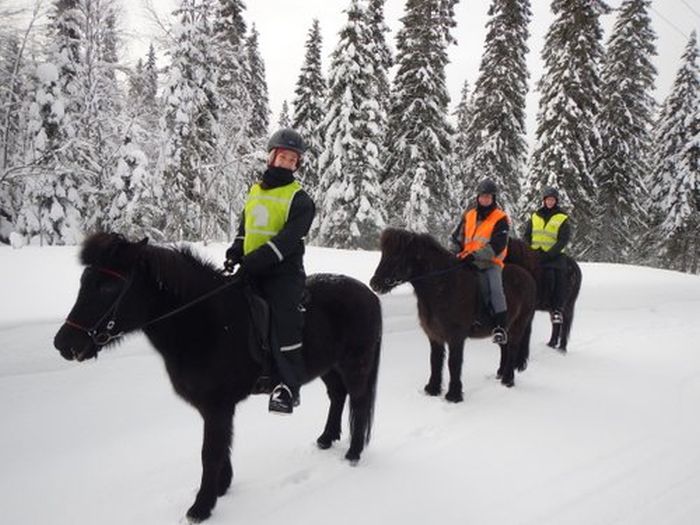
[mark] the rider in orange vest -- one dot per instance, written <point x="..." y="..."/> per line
<point x="482" y="240"/>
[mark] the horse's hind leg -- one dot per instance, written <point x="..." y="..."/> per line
<point x="454" y="363"/>
<point x="359" y="419"/>
<point x="336" y="394"/>
<point x="437" y="358"/>
<point x="216" y="466"/>
<point x="556" y="333"/>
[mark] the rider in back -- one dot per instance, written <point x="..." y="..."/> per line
<point x="482" y="240"/>
<point x="548" y="232"/>
<point x="270" y="248"/>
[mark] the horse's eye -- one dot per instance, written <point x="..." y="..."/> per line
<point x="108" y="286"/>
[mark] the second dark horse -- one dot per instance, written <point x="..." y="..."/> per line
<point x="448" y="305"/>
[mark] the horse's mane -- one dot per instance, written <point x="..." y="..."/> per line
<point x="396" y="240"/>
<point x="177" y="270"/>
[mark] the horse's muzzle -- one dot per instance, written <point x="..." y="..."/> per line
<point x="73" y="346"/>
<point x="382" y="285"/>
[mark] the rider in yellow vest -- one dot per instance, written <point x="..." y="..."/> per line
<point x="548" y="232"/>
<point x="482" y="240"/>
<point x="270" y="248"/>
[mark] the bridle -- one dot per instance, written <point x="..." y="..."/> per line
<point x="393" y="283"/>
<point x="102" y="336"/>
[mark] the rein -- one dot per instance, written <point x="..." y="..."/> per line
<point x="102" y="337"/>
<point x="429" y="275"/>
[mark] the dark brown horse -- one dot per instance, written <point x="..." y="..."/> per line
<point x="448" y="305"/>
<point x="205" y="343"/>
<point x="520" y="253"/>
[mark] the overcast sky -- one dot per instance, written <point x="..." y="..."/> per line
<point x="284" y="24"/>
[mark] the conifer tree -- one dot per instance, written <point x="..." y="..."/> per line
<point x="284" y="121"/>
<point x="497" y="149"/>
<point x="419" y="137"/>
<point x="675" y="182"/>
<point x="237" y="150"/>
<point x="309" y="107"/>
<point x="463" y="184"/>
<point x="257" y="88"/>
<point x="625" y="123"/>
<point x="382" y="53"/>
<point x="191" y="127"/>
<point x="349" y="207"/>
<point x="566" y="147"/>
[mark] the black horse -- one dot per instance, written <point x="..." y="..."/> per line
<point x="448" y="305"/>
<point x="132" y="286"/>
<point x="520" y="253"/>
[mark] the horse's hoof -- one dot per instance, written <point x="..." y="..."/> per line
<point x="522" y="368"/>
<point x="432" y="390"/>
<point x="508" y="382"/>
<point x="324" y="444"/>
<point x="454" y="397"/>
<point x="197" y="514"/>
<point x="352" y="457"/>
<point x="499" y="374"/>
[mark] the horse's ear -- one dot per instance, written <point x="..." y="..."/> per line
<point x="143" y="241"/>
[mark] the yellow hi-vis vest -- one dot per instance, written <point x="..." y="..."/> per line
<point x="545" y="236"/>
<point x="266" y="213"/>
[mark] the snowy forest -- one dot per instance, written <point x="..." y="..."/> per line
<point x="167" y="147"/>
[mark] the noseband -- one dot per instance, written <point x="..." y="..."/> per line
<point x="101" y="335"/>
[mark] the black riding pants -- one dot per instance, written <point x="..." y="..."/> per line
<point x="555" y="284"/>
<point x="283" y="293"/>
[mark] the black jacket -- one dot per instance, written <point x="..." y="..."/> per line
<point x="499" y="237"/>
<point x="289" y="242"/>
<point x="562" y="239"/>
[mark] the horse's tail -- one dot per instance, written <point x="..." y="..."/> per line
<point x="371" y="393"/>
<point x="575" y="279"/>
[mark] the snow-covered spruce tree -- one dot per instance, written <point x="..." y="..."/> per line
<point x="625" y="123"/>
<point x="462" y="185"/>
<point x="52" y="202"/>
<point x="566" y="147"/>
<point x="257" y="88"/>
<point x="675" y="181"/>
<point x="349" y="205"/>
<point x="237" y="150"/>
<point x="13" y="92"/>
<point x="191" y="129"/>
<point x="382" y="53"/>
<point x="284" y="120"/>
<point x="416" y="176"/>
<point x="497" y="148"/>
<point x="309" y="107"/>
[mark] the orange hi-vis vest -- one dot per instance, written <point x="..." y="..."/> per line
<point x="476" y="236"/>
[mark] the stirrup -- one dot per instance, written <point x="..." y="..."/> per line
<point x="281" y="400"/>
<point x="557" y="317"/>
<point x="499" y="336"/>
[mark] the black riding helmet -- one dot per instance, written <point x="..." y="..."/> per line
<point x="287" y="138"/>
<point x="486" y="186"/>
<point x="549" y="191"/>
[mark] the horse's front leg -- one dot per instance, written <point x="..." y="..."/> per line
<point x="454" y="363"/>
<point x="216" y="464"/>
<point x="506" y="370"/>
<point x="437" y="357"/>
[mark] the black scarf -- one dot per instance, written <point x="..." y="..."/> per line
<point x="483" y="211"/>
<point x="276" y="177"/>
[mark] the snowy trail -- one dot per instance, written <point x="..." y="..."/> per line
<point x="606" y="434"/>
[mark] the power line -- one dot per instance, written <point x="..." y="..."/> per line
<point x="674" y="26"/>
<point x="691" y="8"/>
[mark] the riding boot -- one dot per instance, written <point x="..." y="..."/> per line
<point x="285" y="396"/>
<point x="499" y="334"/>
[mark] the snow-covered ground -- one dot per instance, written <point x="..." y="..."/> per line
<point x="607" y="434"/>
